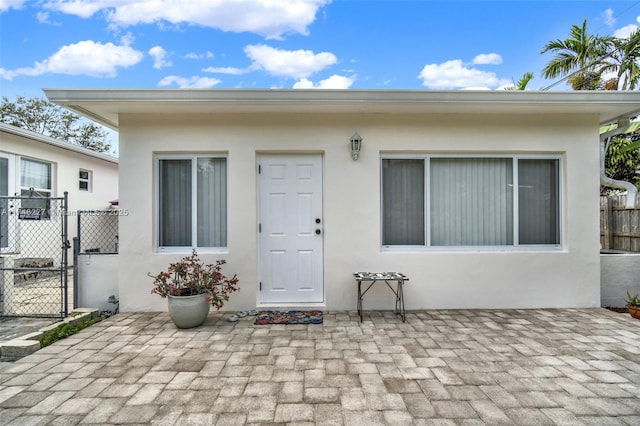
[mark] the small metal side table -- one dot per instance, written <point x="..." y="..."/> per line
<point x="371" y="278"/>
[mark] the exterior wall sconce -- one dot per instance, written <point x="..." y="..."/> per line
<point x="356" y="145"/>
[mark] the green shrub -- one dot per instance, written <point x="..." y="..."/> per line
<point x="66" y="330"/>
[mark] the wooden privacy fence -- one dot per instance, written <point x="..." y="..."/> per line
<point x="619" y="227"/>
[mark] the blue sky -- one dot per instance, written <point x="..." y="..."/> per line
<point x="340" y="44"/>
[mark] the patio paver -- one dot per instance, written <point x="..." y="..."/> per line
<point x="538" y="366"/>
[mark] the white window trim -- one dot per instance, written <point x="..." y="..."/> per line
<point x="19" y="187"/>
<point x="89" y="180"/>
<point x="194" y="200"/>
<point x="51" y="191"/>
<point x="13" y="237"/>
<point x="516" y="247"/>
<point x="12" y="172"/>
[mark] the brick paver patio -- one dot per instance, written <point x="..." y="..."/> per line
<point x="537" y="367"/>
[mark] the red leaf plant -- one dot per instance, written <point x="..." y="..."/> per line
<point x="190" y="276"/>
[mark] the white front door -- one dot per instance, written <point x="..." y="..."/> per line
<point x="8" y="208"/>
<point x="291" y="229"/>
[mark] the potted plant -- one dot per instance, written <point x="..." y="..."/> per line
<point x="633" y="304"/>
<point x="192" y="287"/>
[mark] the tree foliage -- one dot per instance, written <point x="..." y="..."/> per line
<point x="592" y="62"/>
<point x="522" y="83"/>
<point x="626" y="62"/>
<point x="582" y="56"/>
<point x="622" y="160"/>
<point x="49" y="119"/>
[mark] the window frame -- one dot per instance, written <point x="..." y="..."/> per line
<point x="516" y="246"/>
<point x="194" y="201"/>
<point x="88" y="180"/>
<point x="50" y="191"/>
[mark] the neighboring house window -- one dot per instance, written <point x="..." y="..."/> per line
<point x="84" y="180"/>
<point x="467" y="201"/>
<point x="35" y="181"/>
<point x="192" y="201"/>
<point x="4" y="203"/>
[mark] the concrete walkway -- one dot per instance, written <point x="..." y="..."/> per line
<point x="537" y="367"/>
<point x="11" y="328"/>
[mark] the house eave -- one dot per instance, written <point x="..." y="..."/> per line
<point x="106" y="105"/>
<point x="37" y="137"/>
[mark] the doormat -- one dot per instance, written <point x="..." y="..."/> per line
<point x="290" y="317"/>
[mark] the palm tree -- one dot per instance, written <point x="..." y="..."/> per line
<point x="581" y="57"/>
<point x="625" y="63"/>
<point x="522" y="83"/>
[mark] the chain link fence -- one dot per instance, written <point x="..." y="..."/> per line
<point x="98" y="231"/>
<point x="95" y="264"/>
<point x="33" y="256"/>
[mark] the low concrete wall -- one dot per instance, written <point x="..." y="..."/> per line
<point x="619" y="272"/>
<point x="27" y="344"/>
<point x="98" y="279"/>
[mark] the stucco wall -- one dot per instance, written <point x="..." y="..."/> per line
<point x="439" y="279"/>
<point x="66" y="165"/>
<point x="620" y="273"/>
<point x="97" y="282"/>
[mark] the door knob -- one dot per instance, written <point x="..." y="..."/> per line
<point x="318" y="232"/>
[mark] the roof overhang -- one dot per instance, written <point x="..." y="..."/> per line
<point x="105" y="105"/>
<point x="37" y="137"/>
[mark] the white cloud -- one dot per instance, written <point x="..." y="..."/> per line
<point x="226" y="70"/>
<point x="625" y="31"/>
<point x="83" y="58"/>
<point x="269" y="18"/>
<point x="608" y="17"/>
<point x="11" y="4"/>
<point x="194" y="55"/>
<point x="455" y="75"/>
<point x="333" y="82"/>
<point x="194" y="82"/>
<point x="81" y="8"/>
<point x="44" y="18"/>
<point x="127" y="39"/>
<point x="487" y="59"/>
<point x="159" y="56"/>
<point x="289" y="63"/>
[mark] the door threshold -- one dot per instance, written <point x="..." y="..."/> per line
<point x="291" y="306"/>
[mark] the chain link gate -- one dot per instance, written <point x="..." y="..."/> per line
<point x="97" y="236"/>
<point x="34" y="256"/>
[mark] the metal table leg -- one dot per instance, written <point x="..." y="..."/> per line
<point x="400" y="301"/>
<point x="360" y="299"/>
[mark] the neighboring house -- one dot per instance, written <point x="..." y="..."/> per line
<point x="484" y="199"/>
<point x="50" y="167"/>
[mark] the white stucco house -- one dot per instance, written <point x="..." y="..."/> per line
<point x="484" y="199"/>
<point x="51" y="167"/>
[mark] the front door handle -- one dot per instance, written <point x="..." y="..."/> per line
<point x="318" y="232"/>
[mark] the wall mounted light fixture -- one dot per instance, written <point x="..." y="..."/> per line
<point x="356" y="145"/>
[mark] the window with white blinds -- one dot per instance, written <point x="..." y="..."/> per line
<point x="4" y="203"/>
<point x="470" y="202"/>
<point x="35" y="183"/>
<point x="35" y="175"/>
<point x="192" y="202"/>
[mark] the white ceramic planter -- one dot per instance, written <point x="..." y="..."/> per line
<point x="188" y="311"/>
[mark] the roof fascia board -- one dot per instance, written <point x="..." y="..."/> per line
<point x="118" y="100"/>
<point x="37" y="137"/>
<point x="271" y="96"/>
